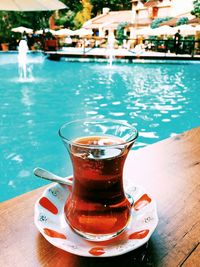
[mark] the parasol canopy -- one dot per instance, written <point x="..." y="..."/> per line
<point x="186" y="29"/>
<point x="83" y="32"/>
<point x="197" y="28"/>
<point x="147" y="31"/>
<point x="64" y="32"/>
<point x="164" y="30"/>
<point x="46" y="31"/>
<point x="22" y="29"/>
<point x="31" y="5"/>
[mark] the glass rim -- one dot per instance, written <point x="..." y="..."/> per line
<point x="133" y="136"/>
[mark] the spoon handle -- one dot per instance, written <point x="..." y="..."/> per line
<point x="44" y="174"/>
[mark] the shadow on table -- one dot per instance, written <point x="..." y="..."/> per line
<point x="50" y="256"/>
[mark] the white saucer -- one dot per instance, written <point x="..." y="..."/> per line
<point x="49" y="219"/>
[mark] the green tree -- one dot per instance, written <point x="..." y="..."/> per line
<point x="196" y="10"/>
<point x="66" y="19"/>
<point x="114" y="5"/>
<point x="156" y="22"/>
<point x="33" y="20"/>
<point x="79" y="11"/>
<point x="84" y="14"/>
<point x="74" y="6"/>
<point x="5" y="27"/>
<point x="182" y="20"/>
<point x="120" y="32"/>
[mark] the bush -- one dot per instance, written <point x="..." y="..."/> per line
<point x="196" y="10"/>
<point x="120" y="32"/>
<point x="156" y="23"/>
<point x="181" y="21"/>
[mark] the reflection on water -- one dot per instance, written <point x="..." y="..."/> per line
<point x="27" y="96"/>
<point x="149" y="98"/>
<point x="159" y="99"/>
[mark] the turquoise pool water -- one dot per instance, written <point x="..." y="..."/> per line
<point x="160" y="99"/>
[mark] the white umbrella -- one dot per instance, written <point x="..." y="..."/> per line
<point x="83" y="32"/>
<point x="64" y="32"/>
<point x="46" y="30"/>
<point x="197" y="28"/>
<point x="31" y="5"/>
<point x="144" y="31"/>
<point x="186" y="29"/>
<point x="163" y="30"/>
<point x="22" y="29"/>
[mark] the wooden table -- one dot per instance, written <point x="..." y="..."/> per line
<point x="170" y="172"/>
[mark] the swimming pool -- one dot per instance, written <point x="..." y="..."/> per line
<point x="160" y="99"/>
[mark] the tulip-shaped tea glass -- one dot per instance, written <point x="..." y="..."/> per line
<point x="98" y="208"/>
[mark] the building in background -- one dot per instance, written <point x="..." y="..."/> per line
<point x="141" y="15"/>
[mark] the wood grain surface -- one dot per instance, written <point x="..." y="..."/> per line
<point x="170" y="172"/>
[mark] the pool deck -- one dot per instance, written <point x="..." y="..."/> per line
<point x="116" y="54"/>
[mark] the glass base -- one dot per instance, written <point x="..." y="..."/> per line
<point x="99" y="237"/>
<point x="102" y="237"/>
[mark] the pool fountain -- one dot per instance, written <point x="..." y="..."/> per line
<point x="111" y="42"/>
<point x="22" y="59"/>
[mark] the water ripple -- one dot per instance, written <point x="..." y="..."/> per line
<point x="161" y="100"/>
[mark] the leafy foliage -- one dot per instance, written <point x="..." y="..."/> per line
<point x="196" y="10"/>
<point x="114" y="5"/>
<point x="75" y="5"/>
<point x="156" y="22"/>
<point x="181" y="21"/>
<point x="81" y="10"/>
<point x="33" y="20"/>
<point x="120" y="32"/>
<point x="84" y="14"/>
<point x="66" y="19"/>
